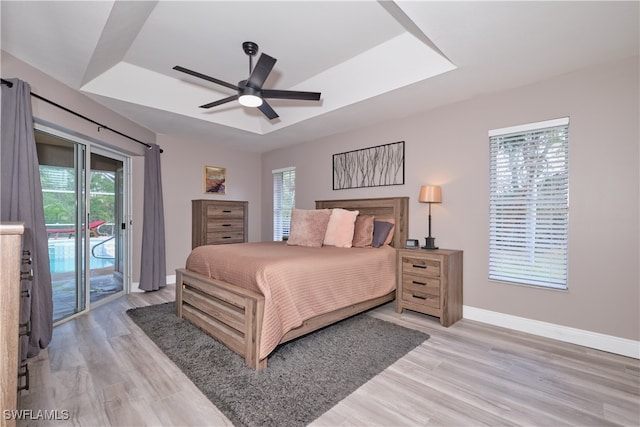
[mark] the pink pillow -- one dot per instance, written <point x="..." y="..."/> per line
<point x="340" y="228"/>
<point x="308" y="227"/>
<point x="363" y="231"/>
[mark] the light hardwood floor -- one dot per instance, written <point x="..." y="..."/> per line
<point x="103" y="370"/>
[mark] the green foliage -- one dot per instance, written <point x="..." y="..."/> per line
<point x="59" y="198"/>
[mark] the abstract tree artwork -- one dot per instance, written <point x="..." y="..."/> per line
<point x="369" y="167"/>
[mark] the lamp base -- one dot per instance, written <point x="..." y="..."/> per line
<point x="430" y="243"/>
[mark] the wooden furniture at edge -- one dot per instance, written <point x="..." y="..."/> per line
<point x="216" y="222"/>
<point x="11" y="249"/>
<point x="233" y="315"/>
<point x="430" y="282"/>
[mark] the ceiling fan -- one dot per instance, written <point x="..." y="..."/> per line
<point x="250" y="92"/>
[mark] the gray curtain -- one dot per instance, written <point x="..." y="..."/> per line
<point x="21" y="200"/>
<point x="153" y="270"/>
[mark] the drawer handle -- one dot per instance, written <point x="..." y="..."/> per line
<point x="26" y="257"/>
<point x="419" y="266"/>
<point x="226" y="211"/>
<point x="419" y="297"/>
<point x="24" y="329"/>
<point x="23" y="372"/>
<point x="226" y="237"/>
<point x="226" y="225"/>
<point x="26" y="275"/>
<point x="418" y="283"/>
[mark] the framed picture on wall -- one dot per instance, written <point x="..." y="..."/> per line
<point x="369" y="167"/>
<point x="215" y="180"/>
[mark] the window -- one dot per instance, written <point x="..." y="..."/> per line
<point x="529" y="204"/>
<point x="284" y="199"/>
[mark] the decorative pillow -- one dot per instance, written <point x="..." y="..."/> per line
<point x="363" y="231"/>
<point x="389" y="238"/>
<point x="340" y="228"/>
<point x="381" y="230"/>
<point x="308" y="227"/>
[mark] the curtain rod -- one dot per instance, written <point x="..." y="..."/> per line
<point x="10" y="84"/>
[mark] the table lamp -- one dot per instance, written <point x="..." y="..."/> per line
<point x="430" y="194"/>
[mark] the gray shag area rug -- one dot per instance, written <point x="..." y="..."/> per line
<point x="304" y="378"/>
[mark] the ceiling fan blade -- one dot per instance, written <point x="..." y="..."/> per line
<point x="205" y="77"/>
<point x="291" y="94"/>
<point x="268" y="111"/>
<point x="220" y="102"/>
<point x="261" y="71"/>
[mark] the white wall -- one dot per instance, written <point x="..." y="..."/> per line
<point x="449" y="147"/>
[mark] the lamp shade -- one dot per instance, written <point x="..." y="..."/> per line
<point x="430" y="194"/>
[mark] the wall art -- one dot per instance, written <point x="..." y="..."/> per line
<point x="215" y="180"/>
<point x="369" y="167"/>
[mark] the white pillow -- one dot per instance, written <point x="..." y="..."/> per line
<point x="340" y="228"/>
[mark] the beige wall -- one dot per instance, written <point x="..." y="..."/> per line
<point x="449" y="147"/>
<point x="183" y="161"/>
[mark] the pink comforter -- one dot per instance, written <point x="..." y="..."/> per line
<point x="298" y="282"/>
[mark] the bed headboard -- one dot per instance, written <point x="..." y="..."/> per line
<point x="387" y="207"/>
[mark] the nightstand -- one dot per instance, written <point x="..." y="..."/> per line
<point x="430" y="282"/>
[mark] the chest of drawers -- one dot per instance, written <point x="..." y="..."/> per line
<point x="216" y="222"/>
<point x="11" y="244"/>
<point x="430" y="282"/>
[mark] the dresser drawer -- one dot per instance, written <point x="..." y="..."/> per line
<point x="225" y="237"/>
<point x="421" y="266"/>
<point x="217" y="211"/>
<point x="227" y="225"/>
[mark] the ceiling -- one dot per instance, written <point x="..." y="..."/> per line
<point x="372" y="61"/>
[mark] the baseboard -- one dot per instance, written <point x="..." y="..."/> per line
<point x="135" y="286"/>
<point x="608" y="343"/>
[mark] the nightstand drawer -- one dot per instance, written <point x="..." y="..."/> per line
<point x="418" y="299"/>
<point x="412" y="282"/>
<point x="421" y="266"/>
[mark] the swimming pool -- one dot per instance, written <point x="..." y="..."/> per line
<point x="62" y="254"/>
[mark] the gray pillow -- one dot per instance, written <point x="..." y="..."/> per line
<point x="381" y="230"/>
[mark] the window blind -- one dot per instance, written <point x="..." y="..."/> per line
<point x="284" y="192"/>
<point x="529" y="204"/>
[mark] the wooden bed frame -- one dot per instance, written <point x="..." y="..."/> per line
<point x="234" y="315"/>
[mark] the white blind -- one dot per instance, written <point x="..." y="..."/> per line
<point x="529" y="204"/>
<point x="284" y="195"/>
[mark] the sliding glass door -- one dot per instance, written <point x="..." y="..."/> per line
<point x="84" y="189"/>
<point x="106" y="234"/>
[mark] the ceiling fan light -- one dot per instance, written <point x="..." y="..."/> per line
<point x="250" y="100"/>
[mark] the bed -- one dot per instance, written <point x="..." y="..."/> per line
<point x="241" y="317"/>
